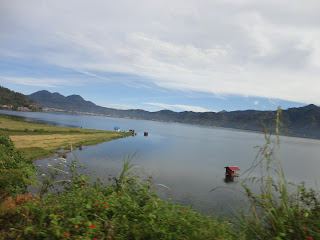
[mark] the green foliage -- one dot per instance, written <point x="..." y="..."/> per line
<point x="127" y="208"/>
<point x="16" y="172"/>
<point x="40" y="131"/>
<point x="16" y="99"/>
<point x="277" y="213"/>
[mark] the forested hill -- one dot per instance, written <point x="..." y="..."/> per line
<point x="10" y="100"/>
<point x="303" y="122"/>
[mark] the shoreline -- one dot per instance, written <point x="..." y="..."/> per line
<point x="38" y="140"/>
<point x="176" y="122"/>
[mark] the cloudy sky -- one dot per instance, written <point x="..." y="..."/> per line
<point x="194" y="55"/>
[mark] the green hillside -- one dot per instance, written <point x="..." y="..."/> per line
<point x="10" y="100"/>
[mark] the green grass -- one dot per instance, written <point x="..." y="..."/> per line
<point x="36" y="152"/>
<point x="38" y="140"/>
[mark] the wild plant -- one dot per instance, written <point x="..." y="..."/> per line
<point x="16" y="171"/>
<point x="53" y="175"/>
<point x="277" y="212"/>
<point x="129" y="208"/>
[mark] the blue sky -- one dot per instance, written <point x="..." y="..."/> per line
<point x="193" y="55"/>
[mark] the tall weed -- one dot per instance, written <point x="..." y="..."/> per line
<point x="276" y="212"/>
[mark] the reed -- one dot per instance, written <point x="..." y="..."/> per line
<point x="276" y="212"/>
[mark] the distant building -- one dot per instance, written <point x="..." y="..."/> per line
<point x="25" y="109"/>
<point x="8" y="106"/>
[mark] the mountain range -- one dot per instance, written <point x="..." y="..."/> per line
<point x="302" y="122"/>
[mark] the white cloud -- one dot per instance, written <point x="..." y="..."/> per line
<point x="177" y="107"/>
<point x="245" y="47"/>
<point x="256" y="102"/>
<point x="120" y="106"/>
<point x="40" y="82"/>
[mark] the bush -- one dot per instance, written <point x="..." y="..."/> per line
<point x="41" y="130"/>
<point x="17" y="172"/>
<point x="128" y="208"/>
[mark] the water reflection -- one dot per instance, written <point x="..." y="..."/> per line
<point x="229" y="179"/>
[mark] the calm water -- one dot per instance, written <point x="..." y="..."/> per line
<point x="188" y="159"/>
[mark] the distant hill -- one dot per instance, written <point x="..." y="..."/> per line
<point x="302" y="122"/>
<point x="56" y="100"/>
<point x="10" y="100"/>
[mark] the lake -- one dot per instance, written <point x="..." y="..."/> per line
<point x="189" y="159"/>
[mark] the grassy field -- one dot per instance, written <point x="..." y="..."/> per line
<point x="38" y="140"/>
